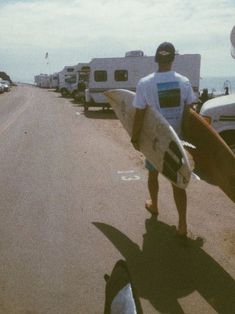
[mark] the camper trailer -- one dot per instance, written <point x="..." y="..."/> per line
<point x="125" y="72"/>
<point x="42" y="80"/>
<point x="37" y="80"/>
<point x="54" y="80"/>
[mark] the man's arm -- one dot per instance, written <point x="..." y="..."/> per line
<point x="137" y="127"/>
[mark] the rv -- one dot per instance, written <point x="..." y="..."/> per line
<point x="67" y="80"/>
<point x="42" y="80"/>
<point x="125" y="72"/>
<point x="71" y="78"/>
<point x="54" y="81"/>
<point x="78" y="92"/>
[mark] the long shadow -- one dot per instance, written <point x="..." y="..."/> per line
<point x="167" y="269"/>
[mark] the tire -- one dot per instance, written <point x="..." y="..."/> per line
<point x="64" y="92"/>
<point x="86" y="106"/>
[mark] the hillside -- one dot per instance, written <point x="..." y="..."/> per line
<point x="4" y="76"/>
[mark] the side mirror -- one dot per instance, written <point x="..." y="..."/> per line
<point x="120" y="296"/>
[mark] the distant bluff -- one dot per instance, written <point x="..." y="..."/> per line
<point x="4" y="76"/>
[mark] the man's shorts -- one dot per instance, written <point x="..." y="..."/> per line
<point x="149" y="166"/>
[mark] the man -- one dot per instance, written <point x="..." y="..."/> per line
<point x="170" y="93"/>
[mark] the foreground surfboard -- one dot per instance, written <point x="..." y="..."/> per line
<point x="158" y="141"/>
<point x="214" y="160"/>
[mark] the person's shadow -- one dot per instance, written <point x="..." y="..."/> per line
<point x="167" y="269"/>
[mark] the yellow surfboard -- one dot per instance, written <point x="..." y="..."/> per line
<point x="214" y="160"/>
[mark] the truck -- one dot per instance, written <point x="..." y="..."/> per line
<point x="220" y="111"/>
<point x="78" y="90"/>
<point x="67" y="79"/>
<point x="125" y="72"/>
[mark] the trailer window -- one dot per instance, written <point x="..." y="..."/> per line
<point x="121" y="75"/>
<point x="100" y="76"/>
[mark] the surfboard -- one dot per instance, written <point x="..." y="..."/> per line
<point x="214" y="160"/>
<point x="158" y="141"/>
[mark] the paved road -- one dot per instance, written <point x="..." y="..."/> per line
<point x="72" y="194"/>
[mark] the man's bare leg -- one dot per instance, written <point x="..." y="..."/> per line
<point x="181" y="204"/>
<point x="153" y="187"/>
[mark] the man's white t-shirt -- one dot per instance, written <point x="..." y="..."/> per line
<point x="167" y="92"/>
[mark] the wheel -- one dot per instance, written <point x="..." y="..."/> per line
<point x="80" y="98"/>
<point x="64" y="92"/>
<point x="74" y="94"/>
<point x="86" y="107"/>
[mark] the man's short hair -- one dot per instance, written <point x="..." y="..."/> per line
<point x="165" y="53"/>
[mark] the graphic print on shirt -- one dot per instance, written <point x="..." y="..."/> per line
<point x="169" y="94"/>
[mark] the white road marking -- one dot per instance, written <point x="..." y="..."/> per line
<point x="13" y="117"/>
<point x="128" y="175"/>
<point x="125" y="171"/>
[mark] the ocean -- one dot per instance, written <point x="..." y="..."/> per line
<point x="217" y="84"/>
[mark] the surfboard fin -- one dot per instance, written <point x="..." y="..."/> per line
<point x="195" y="176"/>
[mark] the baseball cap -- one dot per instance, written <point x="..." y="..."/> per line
<point x="165" y="53"/>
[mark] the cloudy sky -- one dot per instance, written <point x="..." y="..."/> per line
<point x="74" y="31"/>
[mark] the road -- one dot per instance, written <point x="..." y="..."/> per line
<point x="72" y="204"/>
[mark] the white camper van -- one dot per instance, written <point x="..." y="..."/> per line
<point x="78" y="90"/>
<point x="125" y="72"/>
<point x="67" y="79"/>
<point x="70" y="78"/>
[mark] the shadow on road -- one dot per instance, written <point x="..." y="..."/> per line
<point x="100" y="114"/>
<point x="167" y="269"/>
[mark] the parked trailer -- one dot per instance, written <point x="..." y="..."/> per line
<point x="42" y="80"/>
<point x="125" y="72"/>
<point x="54" y="80"/>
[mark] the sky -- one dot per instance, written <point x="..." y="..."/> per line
<point x="74" y="31"/>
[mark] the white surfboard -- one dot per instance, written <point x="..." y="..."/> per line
<point x="158" y="141"/>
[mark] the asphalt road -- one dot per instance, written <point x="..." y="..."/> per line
<point x="72" y="204"/>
